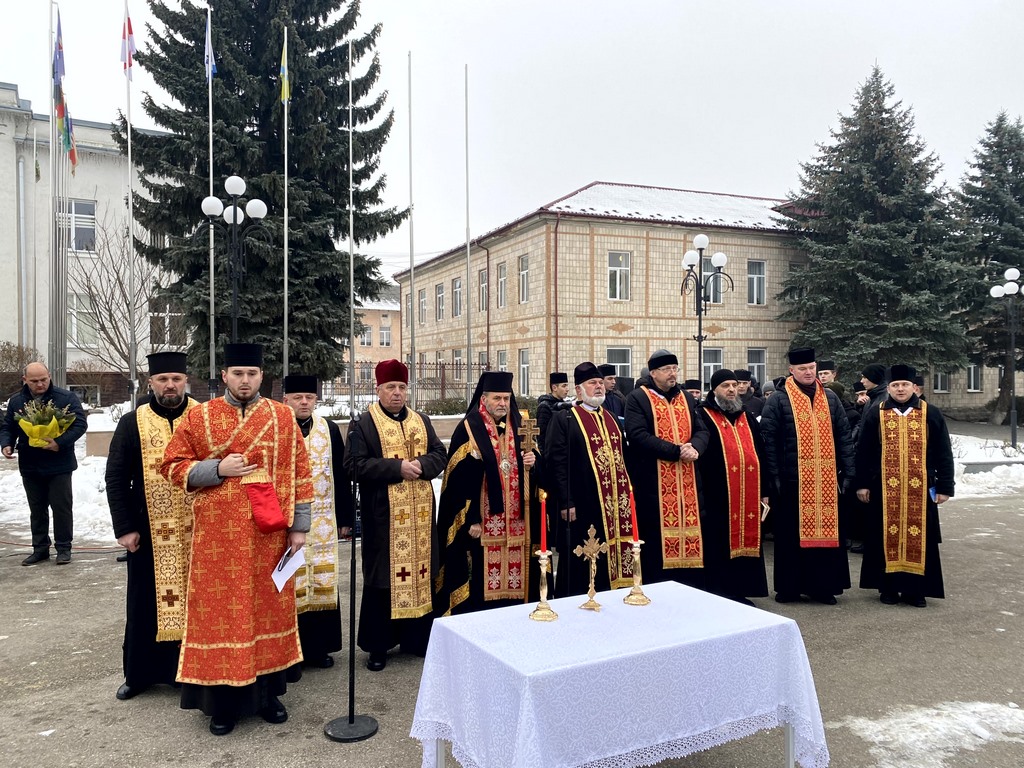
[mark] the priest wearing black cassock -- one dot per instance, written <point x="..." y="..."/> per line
<point x="808" y="455"/>
<point x="316" y="582"/>
<point x="489" y="552"/>
<point x="665" y="438"/>
<point x="904" y="471"/>
<point x="734" y="487"/>
<point x="590" y="487"/>
<point x="142" y="502"/>
<point x="394" y="453"/>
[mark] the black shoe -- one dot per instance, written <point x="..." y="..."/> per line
<point x="63" y="558"/>
<point x="221" y="727"/>
<point x="325" y="663"/>
<point x="126" y="691"/>
<point x="917" y="601"/>
<point x="824" y="599"/>
<point x="889" y="598"/>
<point x="743" y="600"/>
<point x="786" y="597"/>
<point x="274" y="712"/>
<point x="377" y="662"/>
<point x="36" y="557"/>
<point x="122" y="558"/>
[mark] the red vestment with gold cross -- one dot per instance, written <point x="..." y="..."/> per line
<point x="237" y="624"/>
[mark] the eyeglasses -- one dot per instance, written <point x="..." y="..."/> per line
<point x="668" y="369"/>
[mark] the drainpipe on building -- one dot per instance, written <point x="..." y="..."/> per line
<point x="487" y="319"/>
<point x="558" y="220"/>
<point x="22" y="258"/>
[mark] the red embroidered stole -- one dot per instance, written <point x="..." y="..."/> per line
<point x="743" y="483"/>
<point x="904" y="489"/>
<point x="604" y="448"/>
<point x="681" y="542"/>
<point x="816" y="467"/>
<point x="505" y="537"/>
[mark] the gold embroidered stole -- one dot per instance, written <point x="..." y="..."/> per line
<point x="505" y="537"/>
<point x="743" y="483"/>
<point x="682" y="545"/>
<point x="170" y="521"/>
<point x="904" y="489"/>
<point x="604" y="449"/>
<point x="316" y="582"/>
<point x="411" y="503"/>
<point x="818" y="488"/>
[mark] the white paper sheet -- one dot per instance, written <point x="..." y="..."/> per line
<point x="287" y="566"/>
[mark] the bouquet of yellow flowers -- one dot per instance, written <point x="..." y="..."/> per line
<point x="44" y="421"/>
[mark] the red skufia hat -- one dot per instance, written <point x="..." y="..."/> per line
<point x="391" y="370"/>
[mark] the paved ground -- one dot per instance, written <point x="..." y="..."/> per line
<point x="882" y="673"/>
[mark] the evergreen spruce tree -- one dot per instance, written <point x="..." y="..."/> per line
<point x="880" y="282"/>
<point x="990" y="206"/>
<point x="248" y="141"/>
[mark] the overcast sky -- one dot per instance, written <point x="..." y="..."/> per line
<point x="727" y="96"/>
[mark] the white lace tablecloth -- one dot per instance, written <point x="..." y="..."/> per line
<point x="627" y="686"/>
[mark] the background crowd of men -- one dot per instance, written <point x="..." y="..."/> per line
<point x="210" y="499"/>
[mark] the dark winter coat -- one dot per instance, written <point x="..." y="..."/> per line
<point x="39" y="461"/>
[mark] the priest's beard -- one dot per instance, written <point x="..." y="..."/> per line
<point x="170" y="401"/>
<point x="729" y="406"/>
<point x="595" y="401"/>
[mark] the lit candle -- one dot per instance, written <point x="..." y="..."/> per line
<point x="543" y="522"/>
<point x="632" y="513"/>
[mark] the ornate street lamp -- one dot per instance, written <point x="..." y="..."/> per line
<point x="703" y="287"/>
<point x="1010" y="290"/>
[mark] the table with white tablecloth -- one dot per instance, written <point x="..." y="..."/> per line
<point x="625" y="686"/>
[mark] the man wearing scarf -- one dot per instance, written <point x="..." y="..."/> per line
<point x="590" y="487"/>
<point x="488" y="547"/>
<point x="735" y="486"/>
<point x="316" y="582"/>
<point x="152" y="520"/>
<point x="904" y="471"/>
<point x="809" y="452"/>
<point x="394" y="453"/>
<point x="244" y="458"/>
<point x="665" y="438"/>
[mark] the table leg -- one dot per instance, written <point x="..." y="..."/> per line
<point x="439" y="753"/>
<point x="787" y="730"/>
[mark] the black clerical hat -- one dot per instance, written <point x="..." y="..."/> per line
<point x="295" y="383"/>
<point x="558" y="377"/>
<point x="585" y="372"/>
<point x="742" y="374"/>
<point x="245" y="355"/>
<point x="722" y="375"/>
<point x="826" y="365"/>
<point x="902" y="373"/>
<point x="495" y="381"/>
<point x="167" y="362"/>
<point x="691" y="384"/>
<point x="662" y="357"/>
<point x="607" y="369"/>
<point x="801" y="356"/>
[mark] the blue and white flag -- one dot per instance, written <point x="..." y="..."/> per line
<point x="211" y="64"/>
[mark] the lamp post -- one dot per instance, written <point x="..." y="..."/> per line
<point x="702" y="286"/>
<point x="236" y="235"/>
<point x="1010" y="290"/>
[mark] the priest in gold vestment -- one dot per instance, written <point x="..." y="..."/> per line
<point x="245" y="458"/>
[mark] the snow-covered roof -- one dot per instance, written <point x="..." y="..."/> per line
<point x="675" y="206"/>
<point x="384" y="306"/>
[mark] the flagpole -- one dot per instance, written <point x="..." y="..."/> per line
<point x="209" y="107"/>
<point x="133" y="352"/>
<point x="469" y="334"/>
<point x="284" y="56"/>
<point x="412" y="264"/>
<point x="51" y="352"/>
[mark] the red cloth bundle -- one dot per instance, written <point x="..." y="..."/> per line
<point x="266" y="509"/>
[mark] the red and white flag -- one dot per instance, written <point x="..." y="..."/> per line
<point x="127" y="44"/>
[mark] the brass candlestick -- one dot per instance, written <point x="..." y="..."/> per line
<point x="543" y="611"/>
<point x="591" y="550"/>
<point x="636" y="595"/>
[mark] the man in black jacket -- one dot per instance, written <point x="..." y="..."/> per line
<point x="551" y="401"/>
<point x="45" y="472"/>
<point x="809" y="455"/>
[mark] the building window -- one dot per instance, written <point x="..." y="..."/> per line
<point x="714" y="284"/>
<point x="502" y="359"/>
<point x="457" y="297"/>
<point x="502" y="280"/>
<point x="81" y="327"/>
<point x="422" y="296"/>
<point x="385" y="335"/>
<point x="757" y="285"/>
<point x="408" y="310"/>
<point x="940" y="382"/>
<point x="621" y="358"/>
<point x="524" y="278"/>
<point x="366" y="337"/>
<point x="757" y="364"/>
<point x="79" y="224"/>
<point x="166" y="325"/>
<point x="422" y="363"/>
<point x="712" y="363"/>
<point x="524" y="372"/>
<point x="974" y="378"/>
<point x="481" y="278"/>
<point x="481" y="358"/>
<point x="439" y="301"/>
<point x="618" y="275"/>
<point x="365" y="373"/>
<point x="457" y="364"/>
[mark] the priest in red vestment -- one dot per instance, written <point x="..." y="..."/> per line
<point x="245" y="459"/>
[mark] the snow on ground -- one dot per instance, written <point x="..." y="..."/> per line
<point x="936" y="737"/>
<point x="92" y="516"/>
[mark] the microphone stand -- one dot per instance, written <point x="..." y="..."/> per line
<point x="354" y="727"/>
